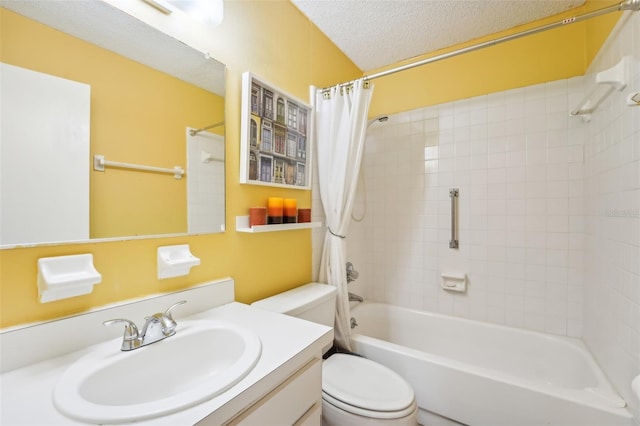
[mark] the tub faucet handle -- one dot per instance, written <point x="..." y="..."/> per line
<point x="352" y="274"/>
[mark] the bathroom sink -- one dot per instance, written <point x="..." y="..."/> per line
<point x="202" y="360"/>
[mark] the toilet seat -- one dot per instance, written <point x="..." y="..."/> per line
<point x="366" y="388"/>
<point x="381" y="415"/>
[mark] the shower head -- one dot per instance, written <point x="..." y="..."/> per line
<point x="380" y="119"/>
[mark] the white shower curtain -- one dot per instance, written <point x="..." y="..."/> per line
<point x="341" y="124"/>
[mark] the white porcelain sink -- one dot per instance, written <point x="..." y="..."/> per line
<point x="202" y="360"/>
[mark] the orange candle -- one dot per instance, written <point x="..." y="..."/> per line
<point x="274" y="210"/>
<point x="290" y="210"/>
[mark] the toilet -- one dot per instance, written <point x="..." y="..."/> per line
<point x="355" y="390"/>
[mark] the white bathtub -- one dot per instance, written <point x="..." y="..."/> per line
<point x="484" y="374"/>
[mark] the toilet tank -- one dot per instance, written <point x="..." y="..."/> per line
<point x="314" y="302"/>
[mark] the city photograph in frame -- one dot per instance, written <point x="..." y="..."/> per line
<point x="275" y="136"/>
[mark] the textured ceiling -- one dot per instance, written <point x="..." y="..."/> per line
<point x="376" y="33"/>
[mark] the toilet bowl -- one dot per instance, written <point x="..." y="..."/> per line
<point x="355" y="390"/>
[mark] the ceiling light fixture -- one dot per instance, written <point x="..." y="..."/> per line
<point x="209" y="12"/>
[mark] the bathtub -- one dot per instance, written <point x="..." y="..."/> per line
<point x="478" y="373"/>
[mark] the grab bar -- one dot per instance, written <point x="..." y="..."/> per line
<point x="99" y="163"/>
<point x="453" y="194"/>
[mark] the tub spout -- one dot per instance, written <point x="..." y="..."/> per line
<point x="355" y="298"/>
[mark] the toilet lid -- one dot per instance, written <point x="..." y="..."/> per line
<point x="365" y="384"/>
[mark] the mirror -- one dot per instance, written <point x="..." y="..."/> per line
<point x="154" y="101"/>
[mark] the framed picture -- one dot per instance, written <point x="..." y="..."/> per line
<point x="275" y="138"/>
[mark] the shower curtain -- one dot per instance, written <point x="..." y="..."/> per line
<point x="341" y="122"/>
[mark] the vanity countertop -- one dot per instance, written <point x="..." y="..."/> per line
<point x="287" y="345"/>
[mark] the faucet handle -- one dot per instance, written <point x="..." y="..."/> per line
<point x="168" y="311"/>
<point x="166" y="320"/>
<point x="131" y="335"/>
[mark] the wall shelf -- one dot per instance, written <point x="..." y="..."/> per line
<point x="242" y="225"/>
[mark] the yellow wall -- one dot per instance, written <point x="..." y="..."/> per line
<point x="547" y="56"/>
<point x="277" y="43"/>
<point x="597" y="30"/>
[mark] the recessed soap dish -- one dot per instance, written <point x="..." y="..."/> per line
<point x="62" y="277"/>
<point x="454" y="282"/>
<point x="175" y="261"/>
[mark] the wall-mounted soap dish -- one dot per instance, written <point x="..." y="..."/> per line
<point x="175" y="261"/>
<point x="62" y="277"/>
<point x="454" y="282"/>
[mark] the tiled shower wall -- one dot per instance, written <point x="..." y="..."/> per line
<point x="517" y="159"/>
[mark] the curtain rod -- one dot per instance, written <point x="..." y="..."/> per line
<point x="632" y="5"/>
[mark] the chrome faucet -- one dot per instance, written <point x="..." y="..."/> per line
<point x="157" y="327"/>
<point x="352" y="274"/>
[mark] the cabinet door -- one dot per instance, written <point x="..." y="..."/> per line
<point x="313" y="417"/>
<point x="289" y="402"/>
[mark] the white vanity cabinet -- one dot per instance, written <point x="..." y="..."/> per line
<point x="283" y="388"/>
<point x="296" y="401"/>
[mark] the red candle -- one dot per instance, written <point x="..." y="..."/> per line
<point x="304" y="215"/>
<point x="257" y="216"/>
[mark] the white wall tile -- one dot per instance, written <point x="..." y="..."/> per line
<point x="514" y="206"/>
